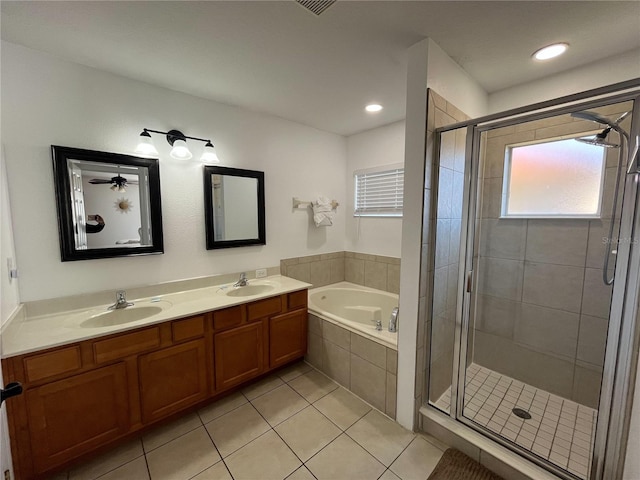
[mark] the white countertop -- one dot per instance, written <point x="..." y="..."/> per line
<point x="25" y="334"/>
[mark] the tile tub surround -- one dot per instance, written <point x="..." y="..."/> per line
<point x="366" y="368"/>
<point x="322" y="431"/>
<point x="375" y="271"/>
<point x="560" y="430"/>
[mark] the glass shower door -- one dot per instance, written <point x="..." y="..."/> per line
<point x="539" y="310"/>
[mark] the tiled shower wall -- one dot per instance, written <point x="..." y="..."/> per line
<point x="442" y="219"/>
<point x="375" y="271"/>
<point x="541" y="299"/>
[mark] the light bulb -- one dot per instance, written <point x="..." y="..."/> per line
<point x="209" y="154"/>
<point x="372" y="108"/>
<point x="180" y="151"/>
<point x="550" y="51"/>
<point x="145" y="145"/>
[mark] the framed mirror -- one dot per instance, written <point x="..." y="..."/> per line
<point x="233" y="207"/>
<point x="108" y="204"/>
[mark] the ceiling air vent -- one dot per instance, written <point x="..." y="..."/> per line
<point x="316" y="6"/>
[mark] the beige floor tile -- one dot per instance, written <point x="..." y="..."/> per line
<point x="279" y="404"/>
<point x="418" y="460"/>
<point x="236" y="428"/>
<point x="343" y="408"/>
<point x="267" y="457"/>
<point x="108" y="461"/>
<point x="344" y="459"/>
<point x="389" y="475"/>
<point x="217" y="472"/>
<point x="302" y="473"/>
<point x="262" y="386"/>
<point x="295" y="370"/>
<point x="134" y="470"/>
<point x="222" y="406"/>
<point x="313" y="385"/>
<point x="183" y="457"/>
<point x="307" y="432"/>
<point x="165" y="433"/>
<point x="380" y="436"/>
<point x="60" y="476"/>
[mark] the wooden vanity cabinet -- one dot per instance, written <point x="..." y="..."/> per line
<point x="239" y="354"/>
<point x="69" y="417"/>
<point x="84" y="396"/>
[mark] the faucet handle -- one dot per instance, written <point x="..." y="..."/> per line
<point x="121" y="295"/>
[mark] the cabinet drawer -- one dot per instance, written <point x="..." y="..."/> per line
<point x="45" y="365"/>
<point x="229" y="317"/>
<point x="297" y="300"/>
<point x="126" y="344"/>
<point x="264" y="308"/>
<point x="187" y="328"/>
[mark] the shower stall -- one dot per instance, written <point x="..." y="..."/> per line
<point x="534" y="273"/>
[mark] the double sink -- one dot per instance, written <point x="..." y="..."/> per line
<point x="146" y="308"/>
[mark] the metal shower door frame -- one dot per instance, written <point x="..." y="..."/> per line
<point x="620" y="362"/>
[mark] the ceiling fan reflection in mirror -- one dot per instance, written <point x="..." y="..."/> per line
<point x="118" y="183"/>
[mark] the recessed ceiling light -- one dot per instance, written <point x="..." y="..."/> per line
<point x="551" y="51"/>
<point x="372" y="108"/>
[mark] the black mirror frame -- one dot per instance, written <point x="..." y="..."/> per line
<point x="212" y="244"/>
<point x="68" y="249"/>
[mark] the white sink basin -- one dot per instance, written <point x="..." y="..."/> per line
<point x="249" y="290"/>
<point x="135" y="313"/>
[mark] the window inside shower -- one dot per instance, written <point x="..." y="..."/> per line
<point x="553" y="178"/>
<point x="520" y="353"/>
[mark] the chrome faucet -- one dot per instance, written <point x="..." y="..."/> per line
<point x="379" y="325"/>
<point x="121" y="301"/>
<point x="242" y="281"/>
<point x="393" y="321"/>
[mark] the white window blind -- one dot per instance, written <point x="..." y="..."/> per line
<point x="379" y="192"/>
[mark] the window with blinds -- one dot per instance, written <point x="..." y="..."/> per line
<point x="379" y="192"/>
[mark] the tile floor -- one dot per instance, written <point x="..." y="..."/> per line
<point x="559" y="430"/>
<point x="296" y="424"/>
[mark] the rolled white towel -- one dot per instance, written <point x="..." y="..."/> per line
<point x="323" y="212"/>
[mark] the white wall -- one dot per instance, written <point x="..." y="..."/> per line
<point x="605" y="72"/>
<point x="373" y="148"/>
<point x="428" y="67"/>
<point x="9" y="295"/>
<point x="47" y="101"/>
<point x="9" y="298"/>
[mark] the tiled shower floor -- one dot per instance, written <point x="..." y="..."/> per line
<point x="559" y="430"/>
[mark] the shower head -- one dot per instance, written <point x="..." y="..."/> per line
<point x="596" y="117"/>
<point x="600" y="139"/>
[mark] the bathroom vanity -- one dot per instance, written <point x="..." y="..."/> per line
<point x="82" y="396"/>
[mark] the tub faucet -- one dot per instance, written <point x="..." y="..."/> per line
<point x="121" y="301"/>
<point x="242" y="281"/>
<point x="393" y="321"/>
<point x="379" y="325"/>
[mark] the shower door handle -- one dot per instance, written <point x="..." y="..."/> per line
<point x="469" y="281"/>
<point x="634" y="160"/>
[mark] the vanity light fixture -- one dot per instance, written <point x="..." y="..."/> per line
<point x="178" y="141"/>
<point x="550" y="51"/>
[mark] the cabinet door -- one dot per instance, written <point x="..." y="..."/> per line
<point x="287" y="337"/>
<point x="171" y="379"/>
<point x="239" y="354"/>
<point x="76" y="415"/>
